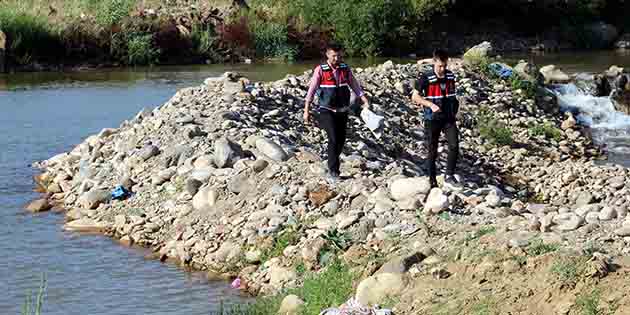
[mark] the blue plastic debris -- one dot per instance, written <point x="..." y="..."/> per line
<point x="120" y="192"/>
<point x="501" y="70"/>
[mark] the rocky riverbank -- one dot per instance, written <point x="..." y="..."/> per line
<point x="226" y="178"/>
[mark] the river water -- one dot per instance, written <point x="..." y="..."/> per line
<point x="44" y="114"/>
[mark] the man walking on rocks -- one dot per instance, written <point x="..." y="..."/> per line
<point x="435" y="92"/>
<point x="332" y="81"/>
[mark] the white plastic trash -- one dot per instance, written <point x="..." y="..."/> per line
<point x="373" y="121"/>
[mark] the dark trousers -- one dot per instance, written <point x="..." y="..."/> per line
<point x="433" y="128"/>
<point x="335" y="126"/>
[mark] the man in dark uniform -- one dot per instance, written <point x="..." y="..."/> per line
<point x="332" y="80"/>
<point x="436" y="94"/>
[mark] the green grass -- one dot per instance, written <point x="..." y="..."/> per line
<point x="444" y="216"/>
<point x="538" y="248"/>
<point x="517" y="83"/>
<point x="493" y="130"/>
<point x="547" y="130"/>
<point x="328" y="288"/>
<point x="486" y="230"/>
<point x="283" y="240"/>
<point x="33" y="305"/>
<point x="588" y="303"/>
<point x="568" y="270"/>
<point x="484" y="307"/>
<point x="140" y="50"/>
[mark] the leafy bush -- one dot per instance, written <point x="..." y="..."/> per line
<point x="547" y="130"/>
<point x="492" y="129"/>
<point x="528" y="88"/>
<point x="271" y="39"/>
<point x="110" y="12"/>
<point x="29" y="35"/>
<point x="140" y="50"/>
<point x="203" y="39"/>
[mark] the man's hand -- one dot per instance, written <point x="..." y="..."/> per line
<point x="416" y="98"/>
<point x="435" y="108"/>
<point x="307" y="117"/>
<point x="366" y="102"/>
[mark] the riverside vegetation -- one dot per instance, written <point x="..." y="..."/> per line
<point x="226" y="178"/>
<point x="44" y="34"/>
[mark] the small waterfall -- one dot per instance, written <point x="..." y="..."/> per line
<point x="610" y="128"/>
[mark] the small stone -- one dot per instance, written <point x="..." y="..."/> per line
<point x="93" y="198"/>
<point x="226" y="152"/>
<point x="607" y="213"/>
<point x="436" y="202"/>
<point x="271" y="150"/>
<point x="39" y="205"/>
<point x="148" y="152"/>
<point x="623" y="231"/>
<point x="592" y="217"/>
<point x="260" y="165"/>
<point x="193" y="185"/>
<point x="584" y="199"/>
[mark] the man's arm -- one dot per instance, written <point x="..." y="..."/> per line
<point x="313" y="86"/>
<point x="356" y="88"/>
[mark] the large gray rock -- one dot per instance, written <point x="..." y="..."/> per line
<point x="205" y="198"/>
<point x="380" y="287"/>
<point x="552" y="74"/>
<point x="86" y="225"/>
<point x="436" y="202"/>
<point x="477" y="53"/>
<point x="271" y="149"/>
<point x="406" y="188"/>
<point x="93" y="198"/>
<point x="226" y="152"/>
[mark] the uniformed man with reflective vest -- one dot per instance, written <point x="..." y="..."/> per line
<point x="333" y="80"/>
<point x="436" y="93"/>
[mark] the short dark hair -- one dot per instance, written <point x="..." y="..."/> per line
<point x="334" y="47"/>
<point x="440" y="54"/>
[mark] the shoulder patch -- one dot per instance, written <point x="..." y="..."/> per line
<point x="343" y="65"/>
<point x="325" y="67"/>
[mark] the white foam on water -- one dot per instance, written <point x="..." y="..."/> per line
<point x="596" y="112"/>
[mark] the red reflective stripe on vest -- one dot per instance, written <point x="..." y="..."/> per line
<point x="328" y="78"/>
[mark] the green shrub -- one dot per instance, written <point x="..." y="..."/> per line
<point x="203" y="38"/>
<point x="492" y="129"/>
<point x="271" y="39"/>
<point x="538" y="248"/>
<point x="29" y="36"/>
<point x="110" y="12"/>
<point x="588" y="303"/>
<point x="528" y="88"/>
<point x="140" y="50"/>
<point x="547" y="130"/>
<point x="282" y="240"/>
<point x="569" y="269"/>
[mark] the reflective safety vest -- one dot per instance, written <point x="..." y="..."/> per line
<point x="444" y="97"/>
<point x="334" y="93"/>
